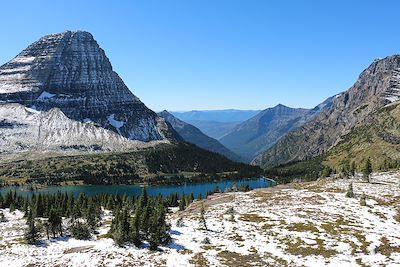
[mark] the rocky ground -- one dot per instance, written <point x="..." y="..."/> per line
<point x="301" y="224"/>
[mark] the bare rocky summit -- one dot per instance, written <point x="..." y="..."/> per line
<point x="71" y="72"/>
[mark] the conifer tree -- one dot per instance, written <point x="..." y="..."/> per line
<point x="350" y="192"/>
<point x="202" y="220"/>
<point x="182" y="203"/>
<point x="80" y="230"/>
<point x="353" y="168"/>
<point x="2" y="217"/>
<point x="32" y="233"/>
<point x="39" y="206"/>
<point x="135" y="228"/>
<point x="363" y="201"/>
<point x="367" y="169"/>
<point x="55" y="222"/>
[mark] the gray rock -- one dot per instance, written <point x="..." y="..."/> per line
<point x="71" y="72"/>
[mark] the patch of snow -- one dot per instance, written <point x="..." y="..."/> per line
<point x="45" y="95"/>
<point x="33" y="109"/>
<point x="116" y="123"/>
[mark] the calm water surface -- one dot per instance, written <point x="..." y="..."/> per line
<point x="153" y="190"/>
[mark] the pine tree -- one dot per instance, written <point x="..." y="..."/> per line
<point x="231" y="213"/>
<point x="353" y="168"/>
<point x="2" y="217"/>
<point x="202" y="220"/>
<point x="363" y="201"/>
<point x="367" y="169"/>
<point x="158" y="228"/>
<point x="143" y="199"/>
<point x="121" y="231"/>
<point x="145" y="220"/>
<point x="39" y="206"/>
<point x="135" y="228"/>
<point x="32" y="233"/>
<point x="93" y="215"/>
<point x="326" y="172"/>
<point x="350" y="192"/>
<point x="55" y="222"/>
<point x="182" y="204"/>
<point x="80" y="230"/>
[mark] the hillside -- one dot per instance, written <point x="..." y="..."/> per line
<point x="258" y="133"/>
<point x="378" y="140"/>
<point x="160" y="164"/>
<point x="194" y="136"/>
<point x="376" y="87"/>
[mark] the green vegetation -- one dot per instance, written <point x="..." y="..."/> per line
<point x="371" y="147"/>
<point x="363" y="200"/>
<point x="80" y="230"/>
<point x="202" y="219"/>
<point x="305" y="170"/>
<point x="350" y="191"/>
<point x="136" y="219"/>
<point x="162" y="164"/>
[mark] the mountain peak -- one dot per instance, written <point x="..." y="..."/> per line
<point x="70" y="71"/>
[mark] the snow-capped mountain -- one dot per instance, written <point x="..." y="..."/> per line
<point x="26" y="130"/>
<point x="71" y="72"/>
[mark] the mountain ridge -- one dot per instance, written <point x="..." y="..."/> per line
<point x="376" y="87"/>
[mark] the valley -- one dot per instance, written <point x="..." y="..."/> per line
<point x="276" y="140"/>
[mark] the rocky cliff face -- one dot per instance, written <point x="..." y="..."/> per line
<point x="71" y="72"/>
<point x="377" y="86"/>
<point x="26" y="130"/>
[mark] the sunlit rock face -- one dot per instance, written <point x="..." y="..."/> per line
<point x="71" y="72"/>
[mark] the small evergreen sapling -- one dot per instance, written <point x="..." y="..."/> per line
<point x="350" y="192"/>
<point x="80" y="231"/>
<point x="202" y="221"/>
<point x="363" y="201"/>
<point x="367" y="170"/>
<point x="32" y="233"/>
<point x="2" y="217"/>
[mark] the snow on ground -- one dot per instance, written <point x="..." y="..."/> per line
<point x="301" y="224"/>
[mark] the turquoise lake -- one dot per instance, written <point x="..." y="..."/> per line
<point x="153" y="190"/>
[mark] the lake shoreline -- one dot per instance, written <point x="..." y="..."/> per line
<point x="197" y="188"/>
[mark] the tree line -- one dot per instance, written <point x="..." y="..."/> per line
<point x="136" y="219"/>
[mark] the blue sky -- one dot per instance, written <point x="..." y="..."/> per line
<point x="184" y="55"/>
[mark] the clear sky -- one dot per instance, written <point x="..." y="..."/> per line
<point x="217" y="54"/>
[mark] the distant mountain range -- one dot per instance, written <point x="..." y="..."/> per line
<point x="225" y="115"/>
<point x="193" y="135"/>
<point x="255" y="135"/>
<point x="215" y="123"/>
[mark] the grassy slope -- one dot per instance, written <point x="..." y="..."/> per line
<point x="149" y="165"/>
<point x="379" y="141"/>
